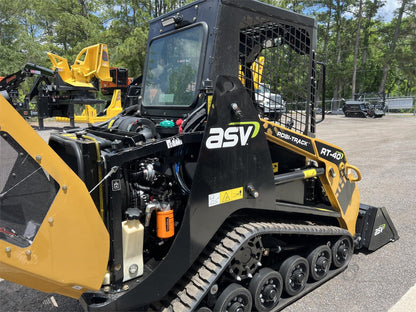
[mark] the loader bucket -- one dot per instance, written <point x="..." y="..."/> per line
<point x="374" y="228"/>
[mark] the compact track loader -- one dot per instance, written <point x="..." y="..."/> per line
<point x="193" y="200"/>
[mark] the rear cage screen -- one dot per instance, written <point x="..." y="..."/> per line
<point x="277" y="68"/>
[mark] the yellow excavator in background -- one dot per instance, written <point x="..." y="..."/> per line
<point x="92" y="63"/>
<point x="89" y="114"/>
<point x="57" y="90"/>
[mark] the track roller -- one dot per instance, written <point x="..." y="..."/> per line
<point x="342" y="252"/>
<point x="295" y="273"/>
<point x="320" y="261"/>
<point x="266" y="288"/>
<point x="234" y="298"/>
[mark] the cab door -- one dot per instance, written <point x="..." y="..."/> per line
<point x="51" y="235"/>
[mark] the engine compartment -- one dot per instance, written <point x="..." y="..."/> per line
<point x="139" y="172"/>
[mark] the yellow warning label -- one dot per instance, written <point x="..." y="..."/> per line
<point x="225" y="196"/>
<point x="309" y="173"/>
<point x="231" y="195"/>
<point x="275" y="167"/>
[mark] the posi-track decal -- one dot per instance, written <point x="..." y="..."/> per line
<point x="290" y="137"/>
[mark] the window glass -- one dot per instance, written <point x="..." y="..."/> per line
<point x="172" y="69"/>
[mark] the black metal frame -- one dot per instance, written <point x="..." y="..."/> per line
<point x="216" y="169"/>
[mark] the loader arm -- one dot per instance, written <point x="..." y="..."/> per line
<point x="339" y="176"/>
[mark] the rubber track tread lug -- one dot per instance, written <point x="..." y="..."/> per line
<point x="193" y="291"/>
<point x="209" y="265"/>
<point x="242" y="231"/>
<point x="218" y="259"/>
<point x="185" y="298"/>
<point x="178" y="306"/>
<point x="229" y="243"/>
<point x="223" y="251"/>
<point x="250" y="228"/>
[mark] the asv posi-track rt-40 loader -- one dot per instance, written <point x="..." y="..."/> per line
<point x="208" y="196"/>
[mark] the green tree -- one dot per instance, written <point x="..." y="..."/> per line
<point x="12" y="51"/>
<point x="389" y="56"/>
<point x="370" y="10"/>
<point x="357" y="45"/>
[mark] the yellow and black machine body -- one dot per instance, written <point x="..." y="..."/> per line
<point x="212" y="194"/>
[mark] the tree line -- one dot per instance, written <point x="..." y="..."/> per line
<point x="365" y="52"/>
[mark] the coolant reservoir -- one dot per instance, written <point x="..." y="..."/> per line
<point x="132" y="233"/>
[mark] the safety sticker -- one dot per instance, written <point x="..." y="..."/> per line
<point x="225" y="196"/>
<point x="173" y="142"/>
<point x="116" y="185"/>
<point x="309" y="173"/>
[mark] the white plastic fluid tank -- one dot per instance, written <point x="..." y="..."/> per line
<point x="132" y="233"/>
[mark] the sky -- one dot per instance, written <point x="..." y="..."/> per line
<point x="387" y="11"/>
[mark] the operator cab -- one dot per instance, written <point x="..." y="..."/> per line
<point x="189" y="48"/>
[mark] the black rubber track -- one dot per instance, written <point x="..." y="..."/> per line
<point x="193" y="287"/>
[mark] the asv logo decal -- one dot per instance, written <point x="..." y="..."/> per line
<point x="236" y="133"/>
<point x="379" y="230"/>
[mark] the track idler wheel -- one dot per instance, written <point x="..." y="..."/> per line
<point x="295" y="273"/>
<point x="266" y="288"/>
<point x="247" y="259"/>
<point x="234" y="298"/>
<point x="342" y="252"/>
<point x="320" y="261"/>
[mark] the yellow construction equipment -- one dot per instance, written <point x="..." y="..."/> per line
<point x="89" y="114"/>
<point x="91" y="62"/>
<point x="256" y="71"/>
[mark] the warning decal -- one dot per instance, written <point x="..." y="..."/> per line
<point x="309" y="173"/>
<point x="225" y="196"/>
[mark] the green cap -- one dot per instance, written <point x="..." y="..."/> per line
<point x="167" y="124"/>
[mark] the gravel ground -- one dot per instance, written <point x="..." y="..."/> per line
<point x="385" y="152"/>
